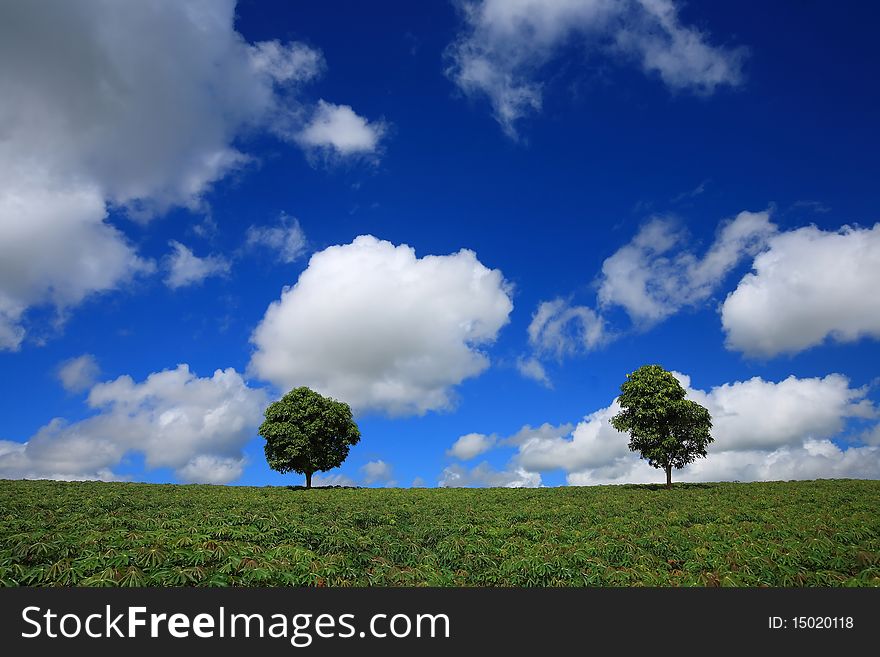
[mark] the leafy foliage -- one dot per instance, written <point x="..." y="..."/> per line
<point x="818" y="533"/>
<point x="668" y="430"/>
<point x="306" y="432"/>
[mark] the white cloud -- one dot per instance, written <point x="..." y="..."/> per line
<point x="210" y="469"/>
<point x="871" y="436"/>
<point x="531" y="368"/>
<point x="142" y="100"/>
<point x="418" y="482"/>
<point x="506" y="44"/>
<point x="373" y="325"/>
<point x="809" y="286"/>
<point x="377" y="471"/>
<point x="483" y="475"/>
<point x="287" y="239"/>
<point x="680" y="55"/>
<point x="545" y="432"/>
<point x="762" y="430"/>
<point x="55" y="248"/>
<point x="787" y="412"/>
<point x="124" y="105"/>
<point x="17" y="463"/>
<point x="335" y="479"/>
<point x="196" y="426"/>
<point x="593" y="442"/>
<point x="654" y="277"/>
<point x="471" y="445"/>
<point x="337" y="129"/>
<point x="184" y="268"/>
<point x="559" y="329"/>
<point x="79" y="374"/>
<point x="813" y="459"/>
<point x="286" y="63"/>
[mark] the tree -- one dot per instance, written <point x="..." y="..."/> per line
<point x="668" y="430"/>
<point x="306" y="432"/>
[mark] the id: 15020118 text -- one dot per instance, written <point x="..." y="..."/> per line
<point x="811" y="623"/>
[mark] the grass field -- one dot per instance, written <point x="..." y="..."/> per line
<point x="815" y="533"/>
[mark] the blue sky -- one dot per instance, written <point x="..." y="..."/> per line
<point x="557" y="192"/>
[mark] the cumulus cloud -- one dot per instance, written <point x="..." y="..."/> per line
<point x="484" y="476"/>
<point x="373" y="325"/>
<point x="286" y="239"/>
<point x="286" y="63"/>
<point x="506" y="44"/>
<point x="377" y="472"/>
<point x="810" y="285"/>
<point x="338" y="130"/>
<point x="335" y="479"/>
<point x="871" y="436"/>
<point x="813" y="459"/>
<point x="532" y="368"/>
<point x="559" y="328"/>
<point x="16" y="462"/>
<point x="55" y="247"/>
<point x="806" y="286"/>
<point x="142" y="100"/>
<point x="515" y="474"/>
<point x="195" y="426"/>
<point x="184" y="268"/>
<point x="79" y="374"/>
<point x="654" y="276"/>
<point x="544" y="431"/>
<point x="762" y="429"/>
<point x="121" y="105"/>
<point x="471" y="445"/>
<point x="680" y="55"/>
<point x="209" y="469"/>
<point x="765" y="415"/>
<point x="593" y="442"/>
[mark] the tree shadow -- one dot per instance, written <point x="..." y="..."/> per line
<point x="321" y="487"/>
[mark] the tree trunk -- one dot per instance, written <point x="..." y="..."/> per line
<point x="668" y="476"/>
<point x="308" y="479"/>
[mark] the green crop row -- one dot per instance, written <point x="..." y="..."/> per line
<point x="817" y="533"/>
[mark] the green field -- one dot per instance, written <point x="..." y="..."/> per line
<point x="814" y="533"/>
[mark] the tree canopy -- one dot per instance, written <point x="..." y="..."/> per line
<point x="306" y="432"/>
<point x="668" y="430"/>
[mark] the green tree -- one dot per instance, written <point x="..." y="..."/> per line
<point x="306" y="432"/>
<point x="668" y="430"/>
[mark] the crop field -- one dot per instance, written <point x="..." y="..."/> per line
<point x="815" y="533"/>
